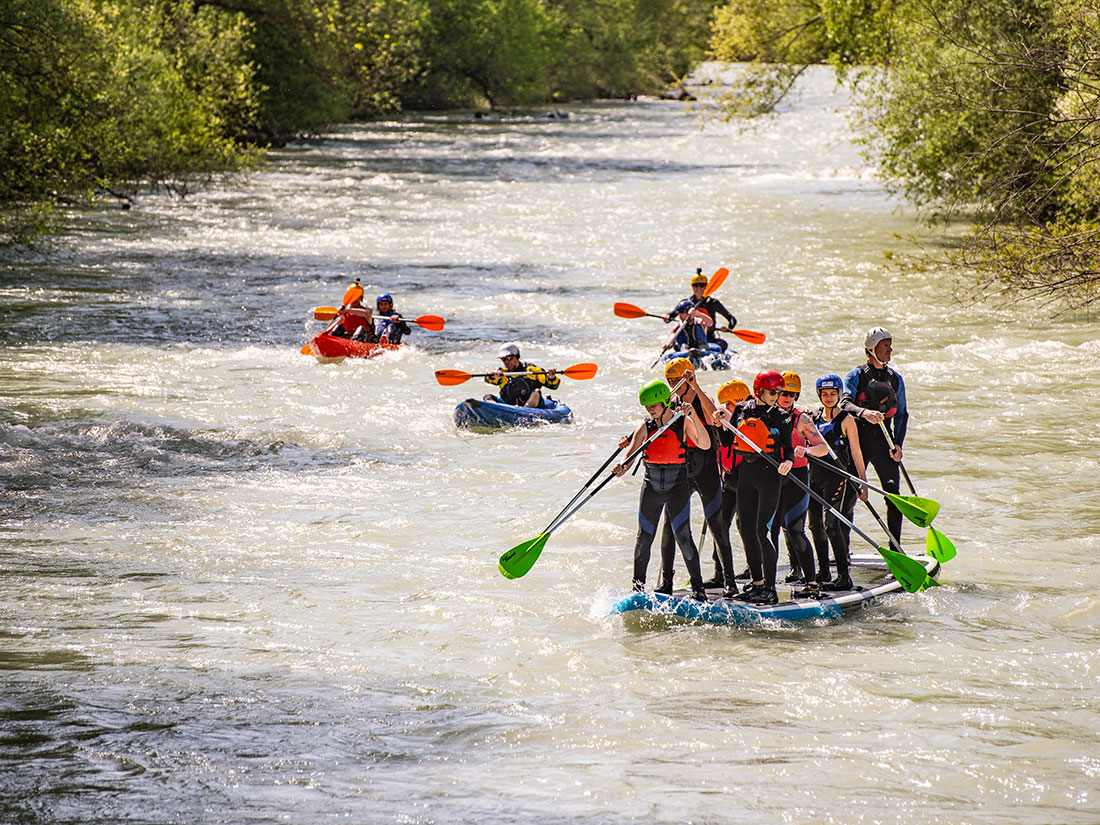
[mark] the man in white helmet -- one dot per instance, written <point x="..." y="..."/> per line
<point x="874" y="394"/>
<point x="520" y="390"/>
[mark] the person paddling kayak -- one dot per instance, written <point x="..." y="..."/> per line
<point x="388" y="323"/>
<point x="838" y="428"/>
<point x="710" y="304"/>
<point x="520" y="390"/>
<point x="758" y="482"/>
<point x="704" y="478"/>
<point x="665" y="486"/>
<point x="353" y="320"/>
<point x="874" y="394"/>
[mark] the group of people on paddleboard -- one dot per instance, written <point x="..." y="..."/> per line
<point x="381" y="325"/>
<point x="752" y="456"/>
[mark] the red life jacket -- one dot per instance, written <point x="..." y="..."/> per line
<point x="797" y="438"/>
<point x="668" y="447"/>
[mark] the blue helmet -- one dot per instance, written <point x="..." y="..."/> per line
<point x="829" y="382"/>
<point x="385" y="296"/>
<point x="684" y="306"/>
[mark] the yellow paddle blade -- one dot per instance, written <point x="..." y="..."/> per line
<point x="581" y="372"/>
<point x="629" y="311"/>
<point x="452" y="378"/>
<point x="324" y="313"/>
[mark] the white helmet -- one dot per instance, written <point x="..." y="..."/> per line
<point x="874" y="337"/>
<point x="508" y="349"/>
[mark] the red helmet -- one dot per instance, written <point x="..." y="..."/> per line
<point x="767" y="380"/>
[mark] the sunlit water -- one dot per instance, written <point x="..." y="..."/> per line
<point x="240" y="586"/>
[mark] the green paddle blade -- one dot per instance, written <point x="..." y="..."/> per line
<point x="920" y="511"/>
<point x="909" y="572"/>
<point x="521" y="558"/>
<point x="939" y="546"/>
<point x="929" y="582"/>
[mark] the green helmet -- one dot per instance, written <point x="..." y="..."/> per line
<point x="655" y="392"/>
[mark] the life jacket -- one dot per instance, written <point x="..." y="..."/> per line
<point x="756" y="431"/>
<point x="669" y="447"/>
<point x="875" y="394"/>
<point x="797" y="438"/>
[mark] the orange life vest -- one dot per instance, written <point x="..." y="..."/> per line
<point x="756" y="431"/>
<point x="668" y="447"/>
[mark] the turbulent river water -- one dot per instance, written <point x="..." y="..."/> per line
<point x="240" y="586"/>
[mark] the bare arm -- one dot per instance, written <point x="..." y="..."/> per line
<point x="636" y="441"/>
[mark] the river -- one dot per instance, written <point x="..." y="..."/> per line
<point x="239" y="586"/>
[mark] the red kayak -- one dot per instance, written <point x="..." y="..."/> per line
<point x="332" y="346"/>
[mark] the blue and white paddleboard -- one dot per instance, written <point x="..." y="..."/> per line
<point x="869" y="573"/>
<point x="493" y="415"/>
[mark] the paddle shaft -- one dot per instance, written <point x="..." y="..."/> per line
<point x="890" y="441"/>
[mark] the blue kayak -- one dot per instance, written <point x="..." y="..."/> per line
<point x="494" y="415"/>
<point x="711" y="358"/>
<point x="869" y="574"/>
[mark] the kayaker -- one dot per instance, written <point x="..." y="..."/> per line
<point x="520" y="390"/>
<point x="874" y="394"/>
<point x="838" y="428"/>
<point x="665" y="487"/>
<point x="704" y="478"/>
<point x="790" y="516"/>
<point x="353" y="320"/>
<point x="758" y="482"/>
<point x="712" y="305"/>
<point x="387" y="321"/>
<point x="693" y="330"/>
<point x="730" y="395"/>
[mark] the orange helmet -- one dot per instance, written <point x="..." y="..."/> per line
<point x="698" y="279"/>
<point x="733" y="392"/>
<point x="791" y="382"/>
<point x="676" y="369"/>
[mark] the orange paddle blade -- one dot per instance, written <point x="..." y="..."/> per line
<point x="629" y="311"/>
<point x="324" y="313"/>
<point x="716" y="280"/>
<point x="452" y="378"/>
<point x="432" y="322"/>
<point x="306" y="350"/>
<point x="748" y="335"/>
<point x="581" y="372"/>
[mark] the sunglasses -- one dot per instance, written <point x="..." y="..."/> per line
<point x="786" y="394"/>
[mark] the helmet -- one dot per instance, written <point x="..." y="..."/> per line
<point x="698" y="279"/>
<point x="354" y="293"/>
<point x="791" y="382"/>
<point x="829" y="382"/>
<point x="655" y="392"/>
<point x="684" y="306"/>
<point x="874" y="337"/>
<point x="676" y="369"/>
<point x="385" y="296"/>
<point x="733" y="392"/>
<point x="508" y="349"/>
<point x="767" y="380"/>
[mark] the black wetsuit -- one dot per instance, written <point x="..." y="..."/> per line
<point x="825" y="527"/>
<point x="881" y="389"/>
<point x="704" y="478"/>
<point x="665" y="488"/>
<point x="790" y="515"/>
<point x="758" y="486"/>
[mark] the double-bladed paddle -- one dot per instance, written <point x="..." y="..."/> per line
<point x="937" y="545"/>
<point x="432" y="322"/>
<point x="452" y="378"/>
<point x="909" y="572"/>
<point x="715" y="281"/>
<point x="630" y="311"/>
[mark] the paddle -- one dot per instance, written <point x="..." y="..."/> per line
<point x="909" y="572"/>
<point x="432" y="322"/>
<point x="936" y="543"/>
<point x="452" y="378"/>
<point x="521" y="558"/>
<point x="716" y="280"/>
<point x="918" y="510"/>
<point x="631" y="311"/>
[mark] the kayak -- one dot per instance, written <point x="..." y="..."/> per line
<point x="869" y="574"/>
<point x="333" y="347"/>
<point x="711" y="358"/>
<point x="494" y="415"/>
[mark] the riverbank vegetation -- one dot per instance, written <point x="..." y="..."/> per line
<point x="978" y="110"/>
<point x="109" y="97"/>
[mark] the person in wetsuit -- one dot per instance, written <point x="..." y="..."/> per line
<point x="874" y="394"/>
<point x="665" y="487"/>
<point x="704" y="478"/>
<point x="794" y="501"/>
<point x="520" y="390"/>
<point x="838" y="429"/>
<point x="712" y="305"/>
<point x="730" y="395"/>
<point x="758" y="481"/>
